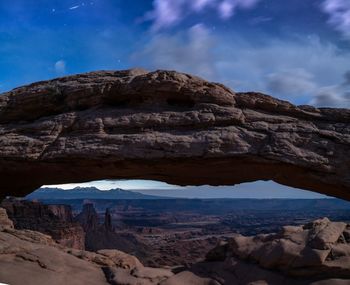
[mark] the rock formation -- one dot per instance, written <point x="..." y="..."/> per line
<point x="319" y="252"/>
<point x="53" y="220"/>
<point x="108" y="221"/>
<point x="5" y="222"/>
<point x="100" y="236"/>
<point x="62" y="212"/>
<point x="166" y="126"/>
<point x="88" y="218"/>
<point x="34" y="258"/>
<point x="316" y="251"/>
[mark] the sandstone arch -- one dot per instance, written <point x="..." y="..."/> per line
<point x="170" y="127"/>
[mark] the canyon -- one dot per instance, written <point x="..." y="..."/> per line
<point x="53" y="220"/>
<point x="315" y="253"/>
<point x="176" y="128"/>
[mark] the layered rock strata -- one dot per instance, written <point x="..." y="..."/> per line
<point x="34" y="258"/>
<point x="53" y="220"/>
<point x="166" y="126"/>
<point x="314" y="254"/>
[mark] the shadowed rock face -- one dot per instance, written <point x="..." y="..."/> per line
<point x="53" y="220"/>
<point x="166" y="126"/>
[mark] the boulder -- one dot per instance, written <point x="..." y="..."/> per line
<point x="316" y="250"/>
<point x="121" y="259"/>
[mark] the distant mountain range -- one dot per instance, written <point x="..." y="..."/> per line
<point x="86" y="193"/>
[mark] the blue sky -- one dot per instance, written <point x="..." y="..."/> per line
<point x="298" y="50"/>
<point x="256" y="190"/>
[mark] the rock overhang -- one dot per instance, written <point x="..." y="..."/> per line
<point x="167" y="126"/>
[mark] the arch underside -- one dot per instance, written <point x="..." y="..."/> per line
<point x="170" y="127"/>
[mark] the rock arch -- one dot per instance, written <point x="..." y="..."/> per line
<point x="167" y="126"/>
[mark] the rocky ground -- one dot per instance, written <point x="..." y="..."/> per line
<point x="94" y="231"/>
<point x="316" y="253"/>
<point x="34" y="258"/>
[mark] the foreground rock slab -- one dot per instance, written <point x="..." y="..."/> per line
<point x="316" y="251"/>
<point x="317" y="254"/>
<point x="166" y="126"/>
<point x="187" y="277"/>
<point x="31" y="258"/>
<point x="28" y="257"/>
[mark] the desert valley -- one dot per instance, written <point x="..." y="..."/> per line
<point x="182" y="235"/>
<point x="124" y="127"/>
<point x="175" y="142"/>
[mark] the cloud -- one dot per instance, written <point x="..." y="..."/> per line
<point x="297" y="69"/>
<point x="189" y="51"/>
<point x="168" y="13"/>
<point x="300" y="82"/>
<point x="339" y="15"/>
<point x="292" y="81"/>
<point x="199" y="5"/>
<point x="334" y="95"/>
<point x="347" y="78"/>
<point x="227" y="8"/>
<point x="331" y="96"/>
<point x="60" y="67"/>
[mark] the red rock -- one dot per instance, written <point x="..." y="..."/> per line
<point x="311" y="251"/>
<point x="5" y="222"/>
<point x="54" y="220"/>
<point x="166" y="126"/>
<point x="38" y="259"/>
<point x="88" y="218"/>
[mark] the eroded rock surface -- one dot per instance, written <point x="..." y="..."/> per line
<point x="34" y="258"/>
<point x="316" y="251"/>
<point x="53" y="220"/>
<point x="264" y="259"/>
<point x="88" y="218"/>
<point x="5" y="222"/>
<point x="166" y="126"/>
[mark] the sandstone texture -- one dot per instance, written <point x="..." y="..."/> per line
<point x="38" y="259"/>
<point x="34" y="258"/>
<point x="53" y="220"/>
<point x="317" y="251"/>
<point x="5" y="222"/>
<point x="166" y="126"/>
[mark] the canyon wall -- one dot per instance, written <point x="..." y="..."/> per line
<point x="53" y="220"/>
